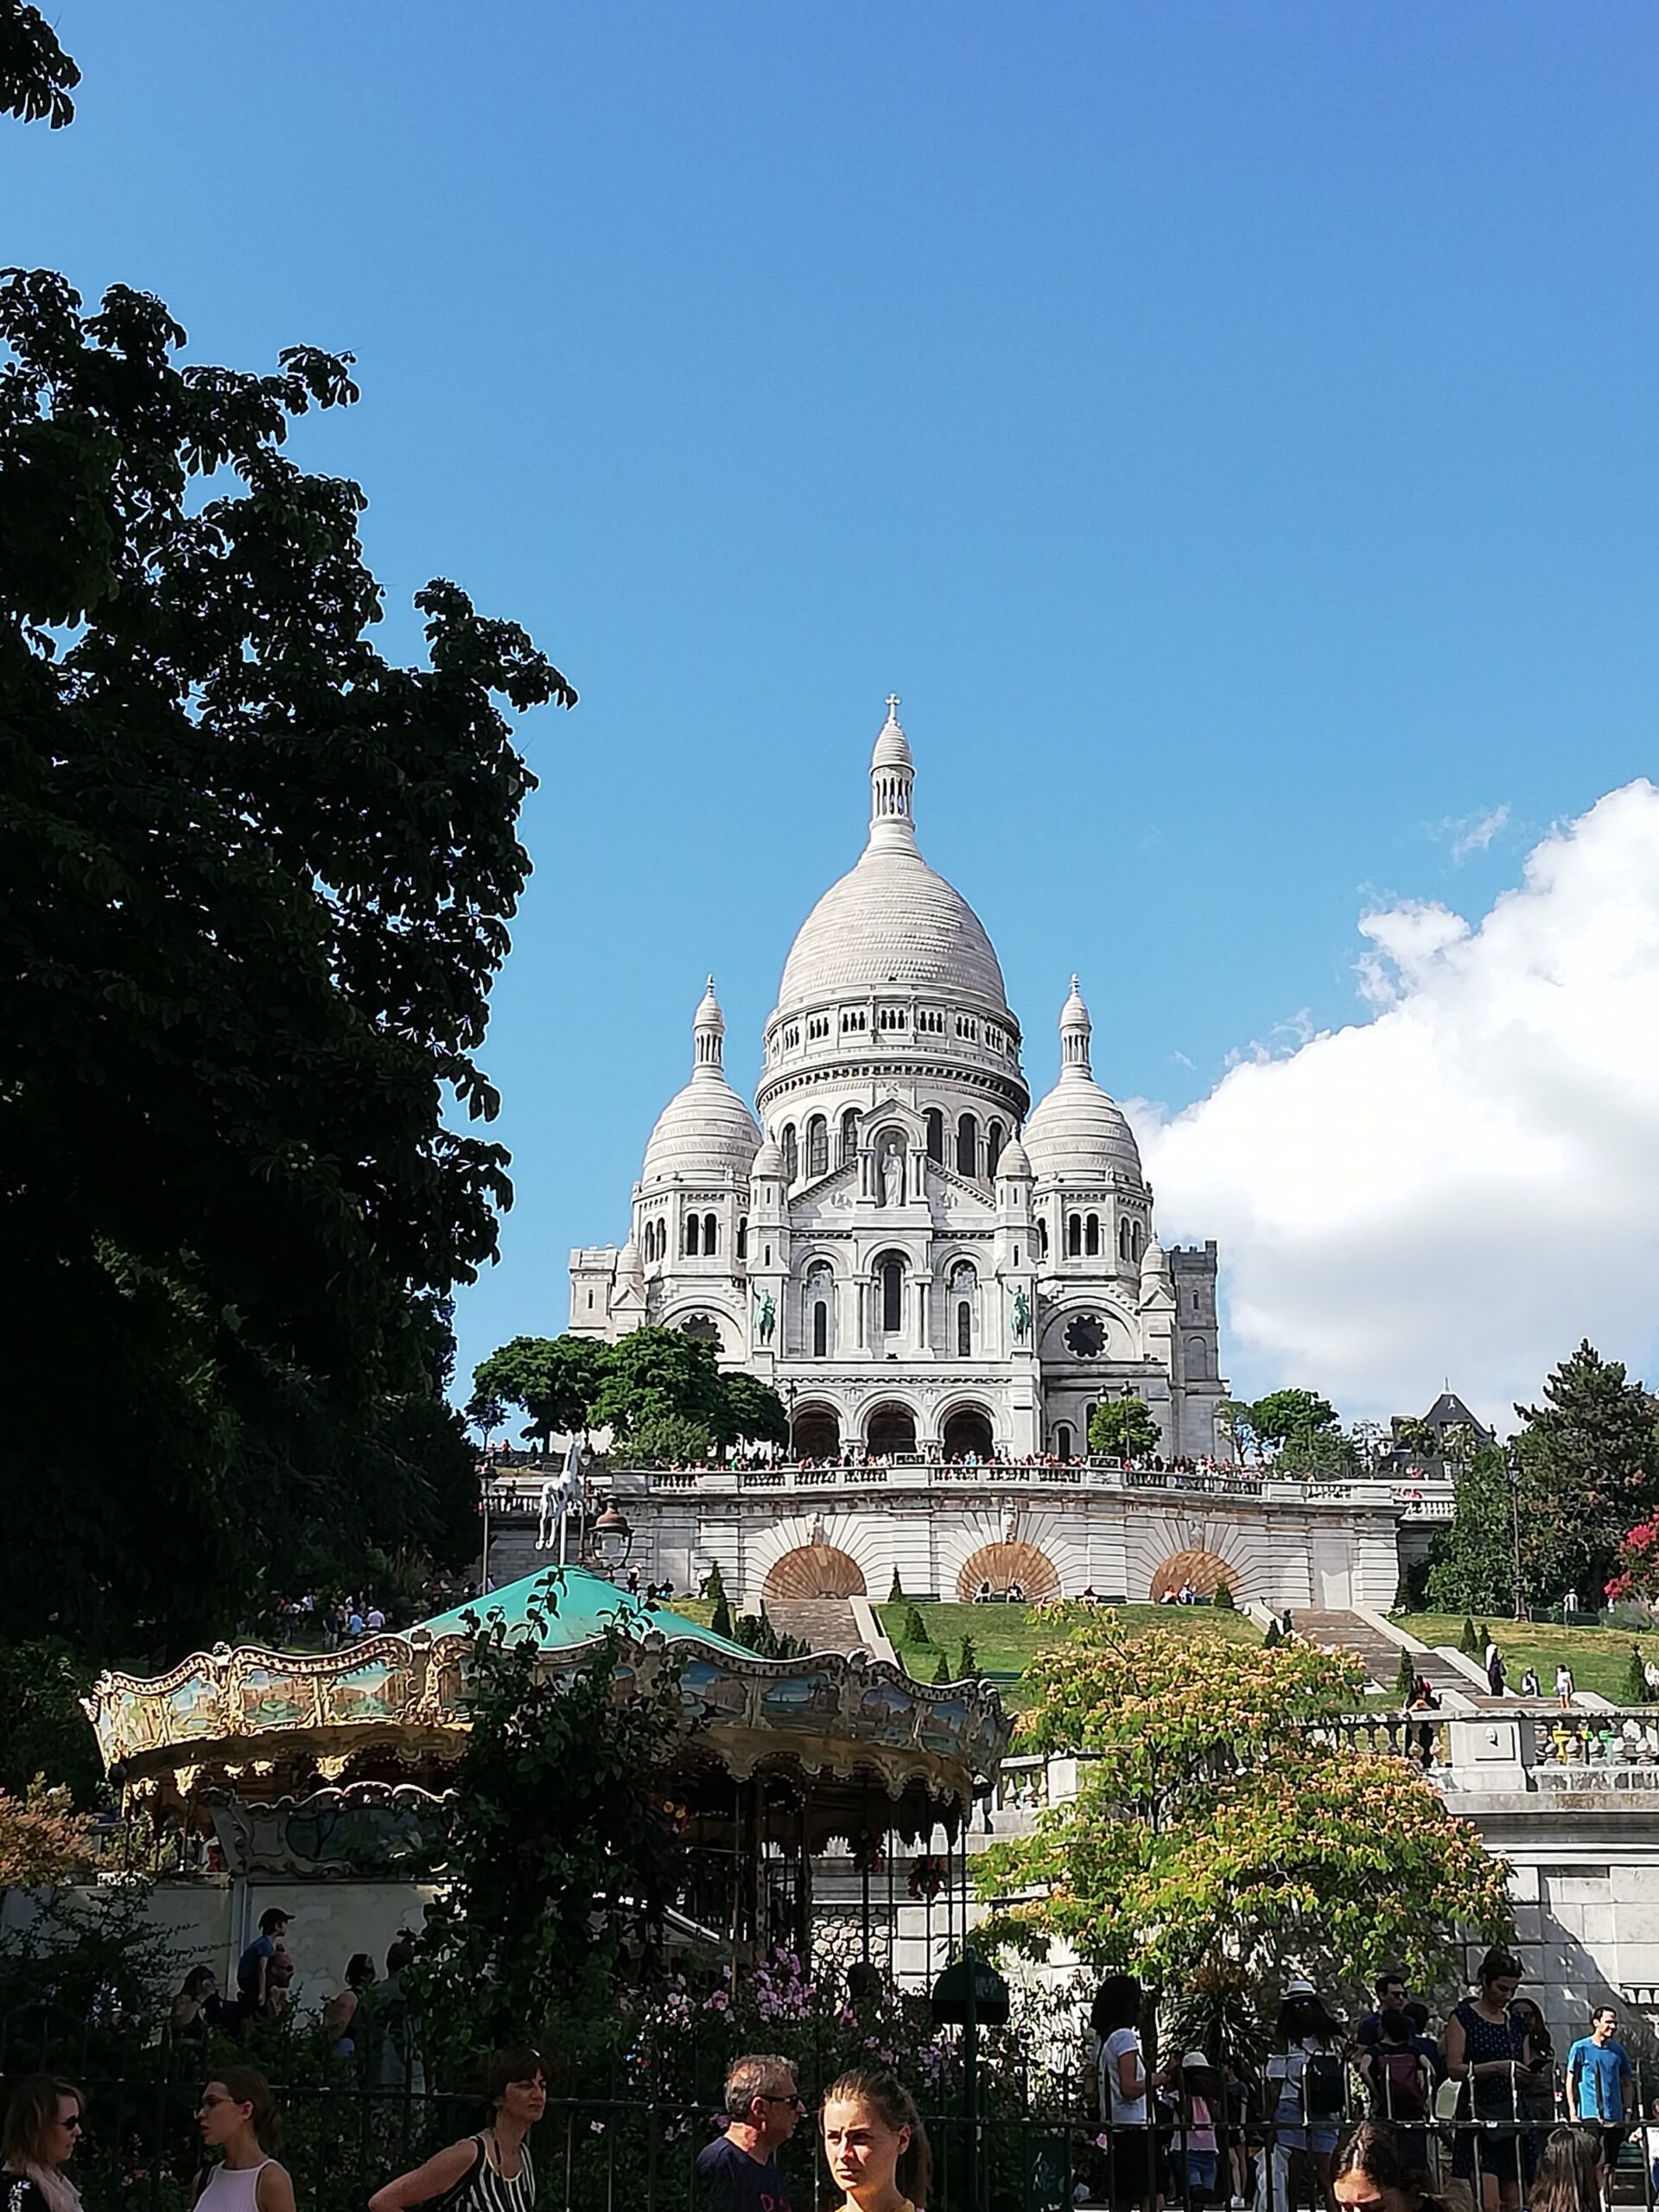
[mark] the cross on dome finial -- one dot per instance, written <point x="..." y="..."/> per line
<point x="894" y="703"/>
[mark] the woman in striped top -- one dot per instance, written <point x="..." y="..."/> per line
<point x="491" y="2172"/>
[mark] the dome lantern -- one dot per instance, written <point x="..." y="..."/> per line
<point x="705" y="1131"/>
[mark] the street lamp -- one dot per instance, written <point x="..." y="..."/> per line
<point x="612" y="1541"/>
<point x="1512" y="1470"/>
<point x="789" y="1402"/>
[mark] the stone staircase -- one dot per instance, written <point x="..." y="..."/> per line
<point x="1380" y="1656"/>
<point x="822" y="1624"/>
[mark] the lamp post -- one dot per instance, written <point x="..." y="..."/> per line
<point x="1512" y="1470"/>
<point x="789" y="1404"/>
<point x="612" y="1541"/>
<point x="484" y="1508"/>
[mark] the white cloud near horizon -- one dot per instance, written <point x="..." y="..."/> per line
<point x="1467" y="1182"/>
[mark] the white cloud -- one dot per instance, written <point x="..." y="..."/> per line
<point x="1468" y="1182"/>
<point x="1472" y="833"/>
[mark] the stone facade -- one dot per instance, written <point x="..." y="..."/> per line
<point x="912" y="1256"/>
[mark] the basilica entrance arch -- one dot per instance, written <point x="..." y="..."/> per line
<point x="968" y="1428"/>
<point x="891" y="1428"/>
<point x="814" y="1571"/>
<point x="1021" y="1565"/>
<point x="816" y="1432"/>
<point x="1203" y="1570"/>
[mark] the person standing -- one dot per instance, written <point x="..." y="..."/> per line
<point x="1389" y="1990"/>
<point x="1121" y="2072"/>
<point x="41" y="2132"/>
<point x="1564" y="1686"/>
<point x="1306" y="2070"/>
<point x="253" y="1980"/>
<point x="237" y="2118"/>
<point x="1529" y="1683"/>
<point x="738" y="2171"/>
<point x="874" y="2144"/>
<point x="1494" y="1670"/>
<point x="1599" y="2085"/>
<point x="491" y="2171"/>
<point x="340" y="2013"/>
<point x="1485" y="2050"/>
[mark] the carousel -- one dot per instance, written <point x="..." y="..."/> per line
<point x="329" y="1765"/>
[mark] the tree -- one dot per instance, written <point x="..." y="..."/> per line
<point x="555" y="1380"/>
<point x="565" y="1847"/>
<point x="1405" y="1680"/>
<point x="1323" y="1455"/>
<point x="1122" y="1428"/>
<point x="1418" y="1435"/>
<point x="1589" y="1472"/>
<point x="1638" y="1564"/>
<point x="1635" y="1691"/>
<point x="967" y="1661"/>
<point x="1474" y="1557"/>
<point x="1222" y="1597"/>
<point x="895" y="1595"/>
<point x="915" y="1628"/>
<point x="1233" y="1421"/>
<point x="654" y="1373"/>
<point x="43" y="1841"/>
<point x="1469" y="1644"/>
<point x="670" y="1437"/>
<point x="259" y="882"/>
<point x="1215" y="1831"/>
<point x="751" y="1412"/>
<point x="1291" y="1416"/>
<point x="941" y="1670"/>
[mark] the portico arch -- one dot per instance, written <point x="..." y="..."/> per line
<point x="817" y="1432"/>
<point x="1021" y="1565"/>
<point x="1203" y="1570"/>
<point x="968" y="1428"/>
<point x="891" y="1428"/>
<point x="814" y="1571"/>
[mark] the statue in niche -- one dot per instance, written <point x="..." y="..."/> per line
<point x="892" y="1176"/>
<point x="768" y="1317"/>
<point x="1021" y="1316"/>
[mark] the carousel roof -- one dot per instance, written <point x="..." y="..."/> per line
<point x="581" y="1610"/>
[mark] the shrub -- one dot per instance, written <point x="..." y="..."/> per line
<point x="1405" y="1681"/>
<point x="967" y="1664"/>
<point x="1467" y="1643"/>
<point x="1222" y="1597"/>
<point x="896" y="1595"/>
<point x="915" y="1628"/>
<point x="1635" y="1691"/>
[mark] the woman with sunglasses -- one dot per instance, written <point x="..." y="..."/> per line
<point x="43" y="2129"/>
<point x="237" y="2118"/>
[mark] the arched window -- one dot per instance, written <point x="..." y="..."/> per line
<point x="1074" y="1235"/>
<point x="1122" y="1240"/>
<point x="993" y="1143"/>
<point x="820" y="1329"/>
<point x="964" y="1330"/>
<point x="692" y="1229"/>
<point x="791" y="1150"/>
<point x="893" y="1296"/>
<point x="935" y="1121"/>
<point x="1135" y="1234"/>
<point x="849" y="1136"/>
<point x="1062" y="1439"/>
<point x="818" y="1145"/>
<point x="1091" y="1235"/>
<point x="1042" y="1238"/>
<point x="711" y="1236"/>
<point x="967" y="1145"/>
<point x="743" y="1236"/>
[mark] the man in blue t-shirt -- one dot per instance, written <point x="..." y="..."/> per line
<point x="736" y="2173"/>
<point x="253" y="1967"/>
<point x="1599" y="2083"/>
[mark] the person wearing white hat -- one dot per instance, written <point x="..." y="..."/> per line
<point x="1196" y="2095"/>
<point x="1307" y="2070"/>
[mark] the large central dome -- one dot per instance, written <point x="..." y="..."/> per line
<point x="891" y="919"/>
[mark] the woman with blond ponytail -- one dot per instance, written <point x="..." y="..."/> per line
<point x="874" y="2144"/>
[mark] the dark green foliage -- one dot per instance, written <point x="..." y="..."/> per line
<point x="36" y="75"/>
<point x="1291" y="1416"/>
<point x="1405" y="1681"/>
<point x="259" y="880"/>
<point x="714" y="1587"/>
<point x="553" y="1380"/>
<point x="563" y="1855"/>
<point x="1589" y="1474"/>
<point x="1474" y="1561"/>
<point x="915" y="1628"/>
<point x="1122" y="1428"/>
<point x="755" y="1632"/>
<point x="895" y="1595"/>
<point x="967" y="1661"/>
<point x="86" y="1979"/>
<point x="941" y="1671"/>
<point x="1222" y="1597"/>
<point x="1275" y="1636"/>
<point x="42" y="1729"/>
<point x="1635" y="1691"/>
<point x="720" y="1619"/>
<point x="1469" y="1644"/>
<point x="751" y="1413"/>
<point x="654" y="1374"/>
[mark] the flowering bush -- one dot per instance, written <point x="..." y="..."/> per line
<point x="1638" y="1564"/>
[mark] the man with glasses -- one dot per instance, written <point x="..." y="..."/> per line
<point x="737" y="2172"/>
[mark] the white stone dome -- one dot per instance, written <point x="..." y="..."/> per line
<point x="891" y="919"/>
<point x="1077" y="1135"/>
<point x="705" y="1133"/>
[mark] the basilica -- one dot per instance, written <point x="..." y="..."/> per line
<point x="917" y="1259"/>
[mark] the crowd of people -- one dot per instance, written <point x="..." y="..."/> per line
<point x="1481" y="2117"/>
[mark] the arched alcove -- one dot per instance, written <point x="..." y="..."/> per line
<point x="1203" y="1570"/>
<point x="815" y="1571"/>
<point x="892" y="1428"/>
<point x="817" y="1433"/>
<point x="968" y="1428"/>
<point x="1002" y="1564"/>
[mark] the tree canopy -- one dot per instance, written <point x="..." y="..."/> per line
<point x="1122" y="1428"/>
<point x="1473" y="1568"/>
<point x="555" y="1380"/>
<point x="1285" y="1417"/>
<point x="1218" y="1825"/>
<point x="1589" y="1463"/>
<point x="662" y="1392"/>
<point x="260" y="878"/>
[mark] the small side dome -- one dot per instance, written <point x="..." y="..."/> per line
<point x="1077" y="1135"/>
<point x="705" y="1132"/>
<point x="769" y="1160"/>
<point x="1013" y="1165"/>
<point x="1155" y="1263"/>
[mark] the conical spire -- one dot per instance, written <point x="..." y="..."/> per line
<point x="708" y="1034"/>
<point x="1075" y="1029"/>
<point x="892" y="775"/>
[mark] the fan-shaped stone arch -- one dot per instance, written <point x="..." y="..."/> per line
<point x="1203" y="1570"/>
<point x="814" y="1571"/>
<point x="1002" y="1564"/>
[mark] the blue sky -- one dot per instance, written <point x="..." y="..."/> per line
<point x="1231" y="429"/>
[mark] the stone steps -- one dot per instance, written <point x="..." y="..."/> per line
<point x="822" y="1624"/>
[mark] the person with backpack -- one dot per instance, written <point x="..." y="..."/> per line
<point x="1490" y="2053"/>
<point x="1402" y="2088"/>
<point x="1306" y="2071"/>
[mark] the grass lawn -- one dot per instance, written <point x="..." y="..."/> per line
<point x="1600" y="1658"/>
